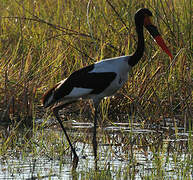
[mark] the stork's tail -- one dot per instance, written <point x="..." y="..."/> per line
<point x="48" y="98"/>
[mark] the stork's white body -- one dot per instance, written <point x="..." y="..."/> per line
<point x="117" y="66"/>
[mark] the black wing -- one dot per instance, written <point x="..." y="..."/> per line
<point x="82" y="78"/>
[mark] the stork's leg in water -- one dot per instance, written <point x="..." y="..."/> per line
<point x="94" y="141"/>
<point x="55" y="111"/>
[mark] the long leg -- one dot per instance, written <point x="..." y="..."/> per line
<point x="94" y="141"/>
<point x="55" y="111"/>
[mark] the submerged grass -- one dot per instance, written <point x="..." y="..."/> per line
<point x="42" y="42"/>
<point x="134" y="154"/>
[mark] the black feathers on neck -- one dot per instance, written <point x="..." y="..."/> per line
<point x="139" y="22"/>
<point x="137" y="55"/>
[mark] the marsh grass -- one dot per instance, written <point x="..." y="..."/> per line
<point x="42" y="42"/>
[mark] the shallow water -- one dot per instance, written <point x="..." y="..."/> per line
<point x="112" y="156"/>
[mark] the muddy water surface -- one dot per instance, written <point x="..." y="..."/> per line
<point x="116" y="155"/>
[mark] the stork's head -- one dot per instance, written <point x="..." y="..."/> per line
<point x="144" y="17"/>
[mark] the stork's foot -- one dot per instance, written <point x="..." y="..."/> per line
<point x="75" y="162"/>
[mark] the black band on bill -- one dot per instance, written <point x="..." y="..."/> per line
<point x="152" y="30"/>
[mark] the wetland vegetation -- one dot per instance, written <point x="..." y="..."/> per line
<point x="145" y="130"/>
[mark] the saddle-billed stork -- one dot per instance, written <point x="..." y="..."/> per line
<point x="100" y="79"/>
